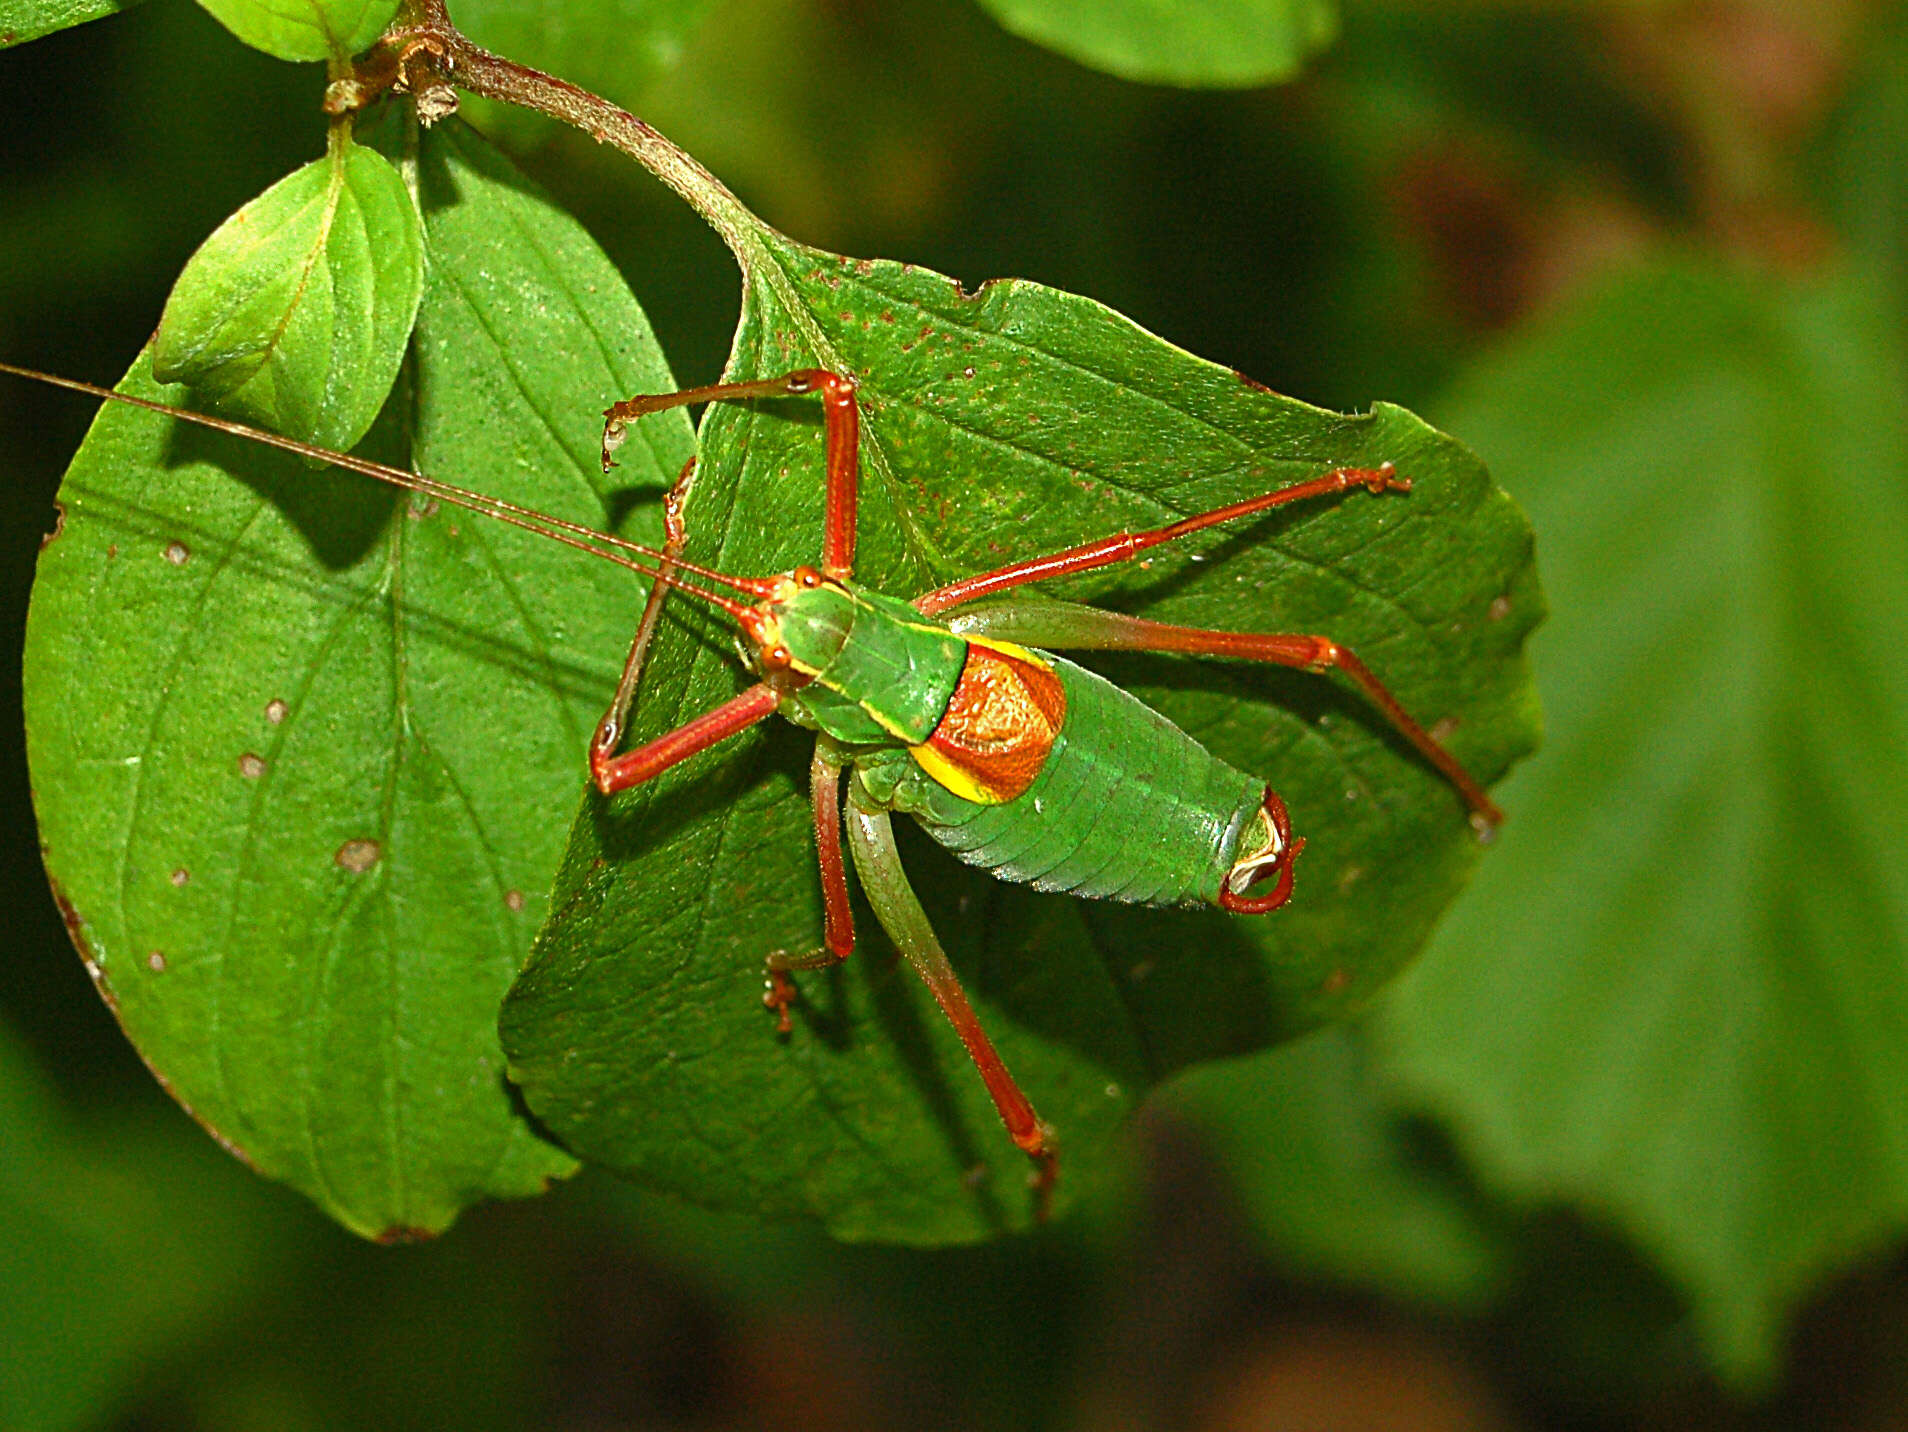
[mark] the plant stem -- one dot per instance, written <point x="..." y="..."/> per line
<point x="428" y="36"/>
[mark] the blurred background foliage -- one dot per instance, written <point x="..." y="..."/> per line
<point x="1629" y="1148"/>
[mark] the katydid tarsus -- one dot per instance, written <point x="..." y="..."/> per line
<point x="959" y="715"/>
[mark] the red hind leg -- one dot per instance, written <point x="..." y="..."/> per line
<point x="1068" y="626"/>
<point x="885" y="883"/>
<point x="1125" y="546"/>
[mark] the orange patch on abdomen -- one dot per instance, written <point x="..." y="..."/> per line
<point x="999" y="726"/>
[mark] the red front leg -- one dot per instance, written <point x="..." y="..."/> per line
<point x="839" y="409"/>
<point x="615" y="773"/>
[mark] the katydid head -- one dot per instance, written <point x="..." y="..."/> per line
<point x="800" y="621"/>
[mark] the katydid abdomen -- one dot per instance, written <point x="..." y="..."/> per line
<point x="1126" y="806"/>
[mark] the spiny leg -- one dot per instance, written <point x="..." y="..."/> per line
<point x="1069" y="626"/>
<point x="843" y="416"/>
<point x="1125" y="546"/>
<point x="838" y="921"/>
<point x="878" y="863"/>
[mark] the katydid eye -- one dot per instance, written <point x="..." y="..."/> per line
<point x="777" y="657"/>
<point x="807" y="577"/>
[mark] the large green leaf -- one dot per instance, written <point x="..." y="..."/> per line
<point x="304" y="29"/>
<point x="23" y="20"/>
<point x="1679" y="997"/>
<point x="295" y="313"/>
<point x="1001" y="424"/>
<point x="303" y="752"/>
<point x="1178" y="42"/>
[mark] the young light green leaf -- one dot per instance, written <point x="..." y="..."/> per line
<point x="1000" y="425"/>
<point x="23" y="20"/>
<point x="1196" y="43"/>
<point x="303" y="751"/>
<point x="1678" y="998"/>
<point x="304" y="29"/>
<point x="294" y="315"/>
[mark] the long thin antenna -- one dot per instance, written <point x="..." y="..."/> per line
<point x="571" y="534"/>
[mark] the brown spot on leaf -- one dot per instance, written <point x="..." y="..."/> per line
<point x="180" y="876"/>
<point x="75" y="926"/>
<point x="1500" y="608"/>
<point x="251" y="766"/>
<point x="513" y="899"/>
<point x="59" y="526"/>
<point x="358" y="856"/>
<point x="178" y="553"/>
<point x="1441" y="729"/>
<point x="275" y="711"/>
<point x="156" y="962"/>
<point x="1337" y="982"/>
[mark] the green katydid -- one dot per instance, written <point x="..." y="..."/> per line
<point x="1017" y="760"/>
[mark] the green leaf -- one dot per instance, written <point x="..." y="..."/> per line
<point x="1332" y="1183"/>
<point x="1678" y="998"/>
<point x="23" y="20"/>
<point x="294" y="315"/>
<point x="122" y="1247"/>
<point x="303" y="751"/>
<point x="1196" y="43"/>
<point x="999" y="425"/>
<point x="304" y="29"/>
